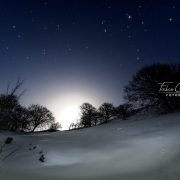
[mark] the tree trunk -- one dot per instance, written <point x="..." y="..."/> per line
<point x="34" y="128"/>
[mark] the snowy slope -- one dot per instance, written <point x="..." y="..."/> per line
<point x="136" y="149"/>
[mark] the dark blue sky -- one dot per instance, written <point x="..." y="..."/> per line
<point x="82" y="49"/>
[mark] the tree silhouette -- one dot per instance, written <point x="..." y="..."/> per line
<point x="11" y="112"/>
<point x="106" y="111"/>
<point x="39" y="116"/>
<point x="88" y="115"/>
<point x="124" y="110"/>
<point x="20" y="119"/>
<point x="143" y="89"/>
<point x="8" y="107"/>
<point x="55" y="126"/>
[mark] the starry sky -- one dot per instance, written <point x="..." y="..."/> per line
<point x="75" y="51"/>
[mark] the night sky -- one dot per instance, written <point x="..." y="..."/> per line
<point x="75" y="51"/>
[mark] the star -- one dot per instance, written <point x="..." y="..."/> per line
<point x="103" y="22"/>
<point x="68" y="47"/>
<point x="58" y="27"/>
<point x="105" y="30"/>
<point x="138" y="58"/>
<point x="19" y="36"/>
<point x="170" y="19"/>
<point x="14" y="26"/>
<point x="137" y="50"/>
<point x="129" y="17"/>
<point x="7" y="48"/>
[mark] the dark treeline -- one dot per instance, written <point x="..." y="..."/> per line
<point x="90" y="116"/>
<point x="15" y="117"/>
<point x="154" y="88"/>
<point x="142" y="93"/>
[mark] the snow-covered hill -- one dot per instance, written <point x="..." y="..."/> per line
<point x="136" y="149"/>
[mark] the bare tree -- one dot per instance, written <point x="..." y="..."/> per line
<point x="88" y="115"/>
<point x="14" y="90"/>
<point x="39" y="117"/>
<point x="106" y="111"/>
<point x="11" y="112"/>
<point x="55" y="126"/>
<point x="143" y="89"/>
<point x="76" y="125"/>
<point x="72" y="126"/>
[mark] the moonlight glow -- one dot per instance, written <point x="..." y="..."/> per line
<point x="66" y="108"/>
<point x="68" y="115"/>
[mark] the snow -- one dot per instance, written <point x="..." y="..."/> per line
<point x="136" y="149"/>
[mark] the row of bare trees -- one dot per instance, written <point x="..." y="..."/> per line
<point x="15" y="117"/>
<point x="90" y="116"/>
<point x="154" y="87"/>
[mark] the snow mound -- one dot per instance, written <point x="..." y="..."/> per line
<point x="135" y="149"/>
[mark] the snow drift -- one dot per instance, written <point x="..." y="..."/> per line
<point x="135" y="149"/>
